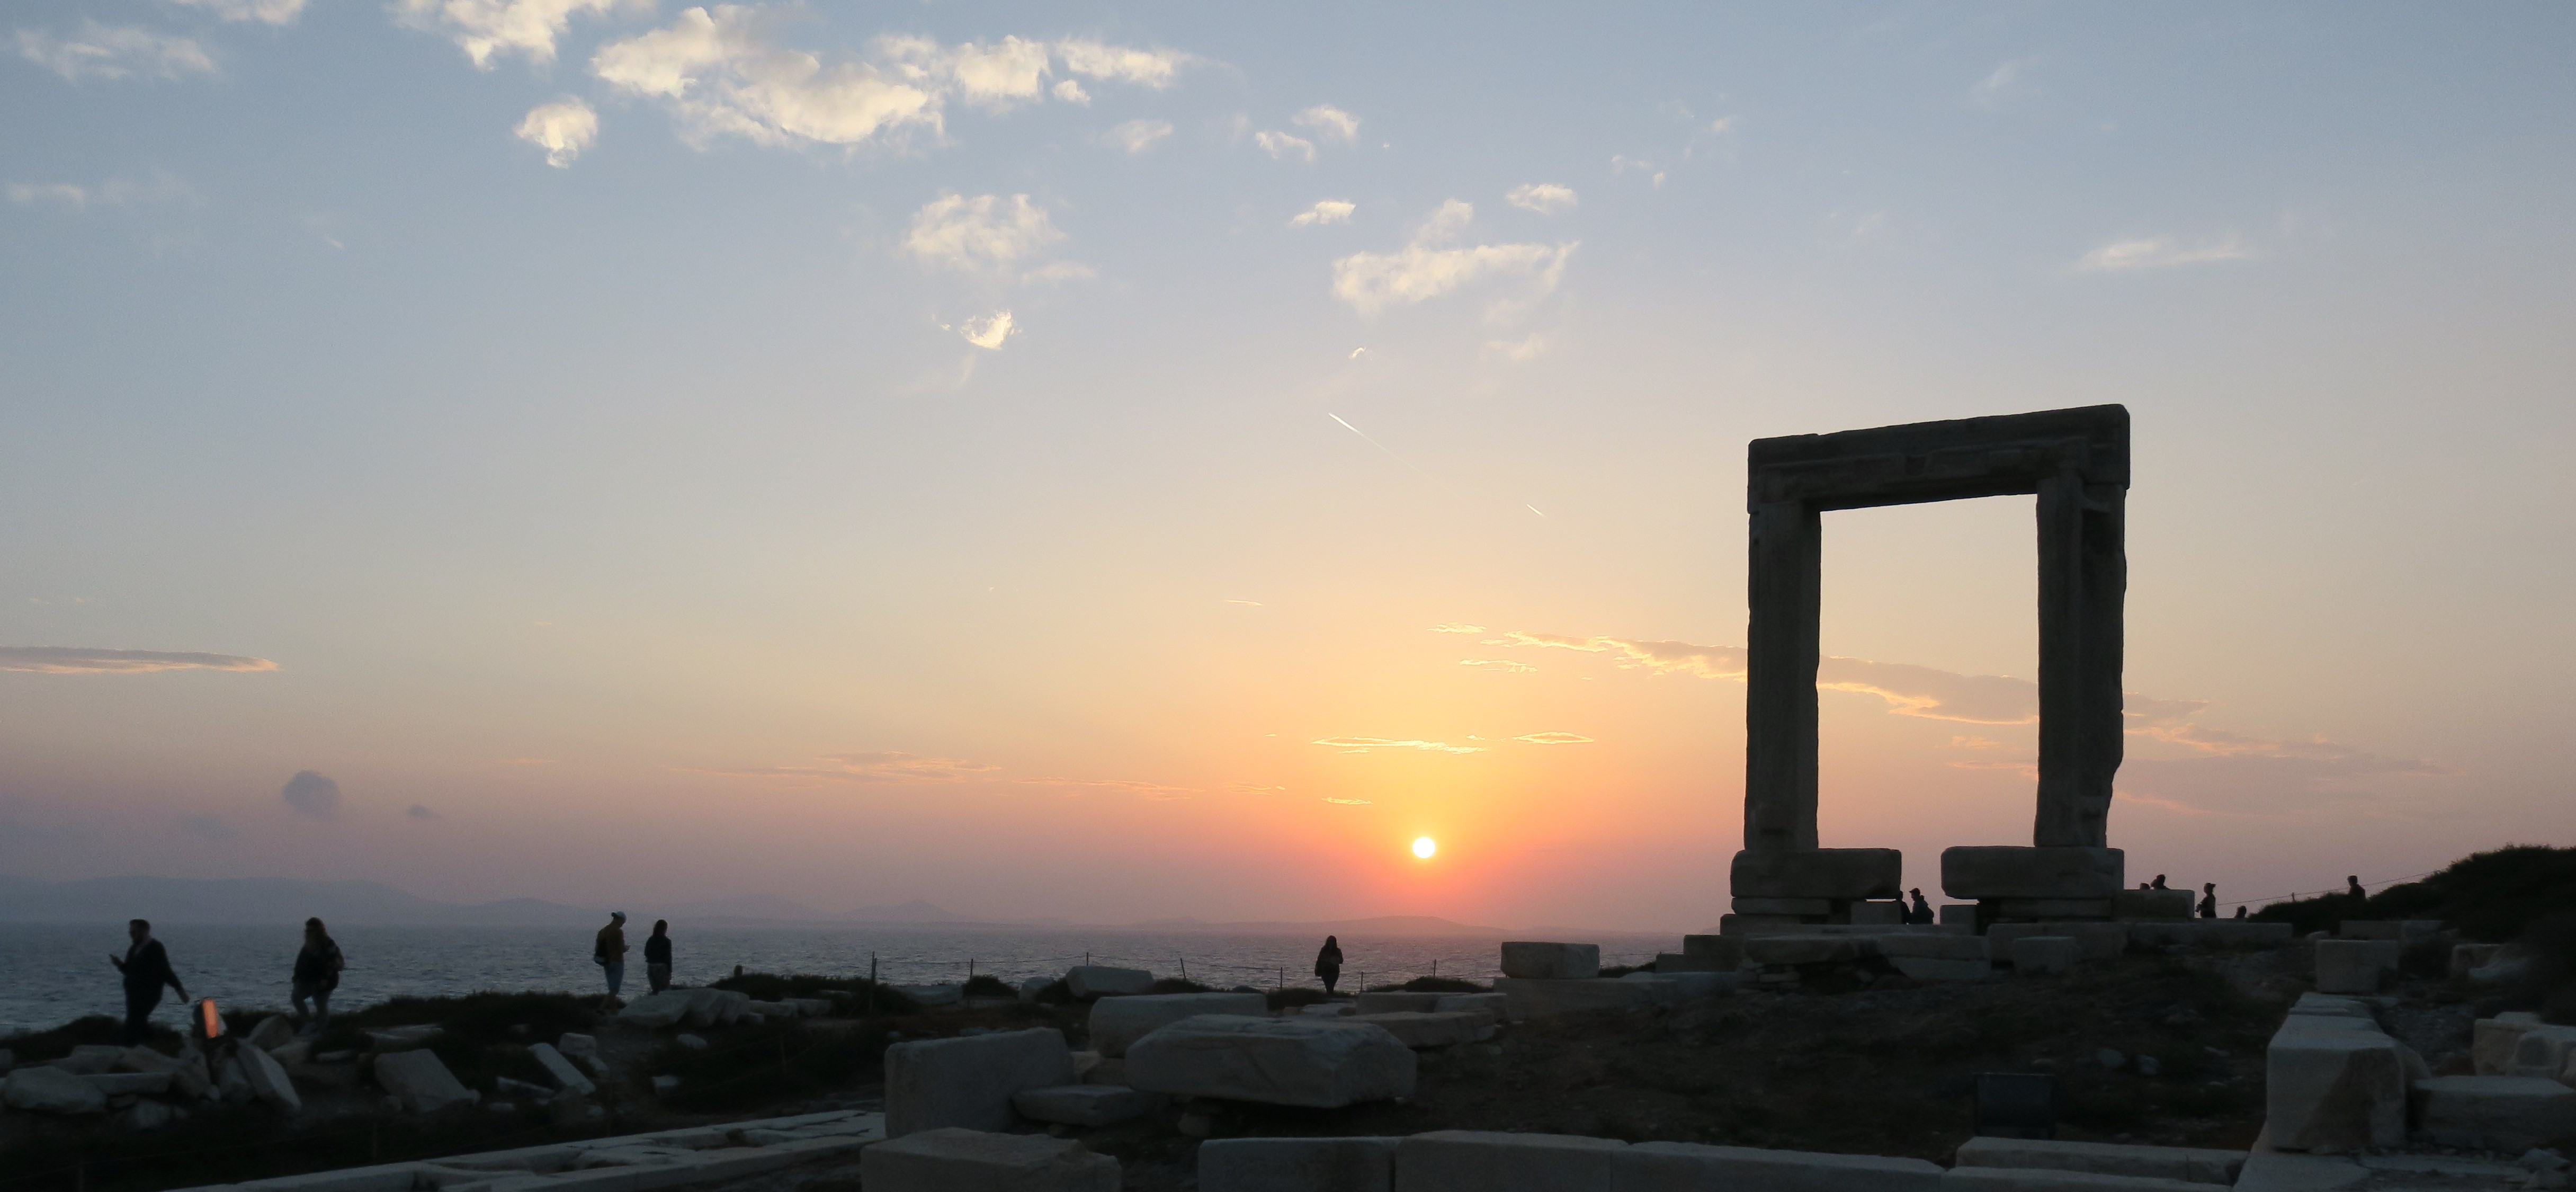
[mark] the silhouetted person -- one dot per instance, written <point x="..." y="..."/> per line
<point x="146" y="965"/>
<point x="1921" y="911"/>
<point x="317" y="973"/>
<point x="1328" y="962"/>
<point x="2146" y="885"/>
<point x="608" y="951"/>
<point x="2352" y="886"/>
<point x="2240" y="912"/>
<point x="2209" y="900"/>
<point x="657" y="955"/>
<point x="2159" y="883"/>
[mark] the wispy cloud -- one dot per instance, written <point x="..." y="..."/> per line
<point x="1499" y="665"/>
<point x="1546" y="198"/>
<point x="881" y="767"/>
<point x="1554" y="738"/>
<point x="1371" y="744"/>
<point x="488" y="29"/>
<point x="421" y="811"/>
<point x="1329" y="123"/>
<point x="266" y="12"/>
<point x="1325" y="211"/>
<point x="311" y="794"/>
<point x="1427" y="268"/>
<point x="982" y="234"/>
<point x="1150" y="790"/>
<point x="1137" y="136"/>
<point x="115" y="52"/>
<point x="563" y="129"/>
<point x="988" y="331"/>
<point x="1347" y="802"/>
<point x="1517" y="351"/>
<point x="2003" y="83"/>
<point x="73" y="660"/>
<point x="161" y="187"/>
<point x="1282" y="146"/>
<point x="1457" y="627"/>
<point x="1154" y="68"/>
<point x="2159" y="252"/>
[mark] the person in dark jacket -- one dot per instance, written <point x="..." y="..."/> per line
<point x="2209" y="900"/>
<point x="657" y="955"/>
<point x="146" y="965"/>
<point x="317" y="973"/>
<point x="1328" y="962"/>
<point x="1922" y="911"/>
<point x="608" y="951"/>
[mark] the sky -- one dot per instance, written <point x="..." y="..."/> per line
<point x="1125" y="461"/>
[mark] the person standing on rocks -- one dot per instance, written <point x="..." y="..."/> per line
<point x="2209" y="900"/>
<point x="657" y="955"/>
<point x="317" y="973"/>
<point x="146" y="965"/>
<point x="608" y="951"/>
<point x="1328" y="962"/>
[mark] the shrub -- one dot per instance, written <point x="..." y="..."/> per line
<point x="2490" y="896"/>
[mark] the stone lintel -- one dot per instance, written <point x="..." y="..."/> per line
<point x="2020" y="872"/>
<point x="1830" y="873"/>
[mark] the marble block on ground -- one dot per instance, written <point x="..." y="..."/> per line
<point x="969" y="1081"/>
<point x="959" y="1160"/>
<point x="2094" y="941"/>
<point x="2192" y="1164"/>
<point x="1085" y="1104"/>
<point x="1086" y="981"/>
<point x="2045" y="953"/>
<point x="1430" y="1028"/>
<point x="1322" y="1063"/>
<point x="2333" y="1082"/>
<point x="1494" y="1006"/>
<point x="2354" y="966"/>
<point x="1530" y="999"/>
<point x="1117" y="1022"/>
<point x="1297" y="1164"/>
<point x="1458" y="1160"/>
<point x="1539" y="961"/>
<point x="1394" y="1001"/>
<point x="2496" y="1113"/>
<point x="2492" y="1040"/>
<point x="1698" y="1167"/>
<point x="420" y="1082"/>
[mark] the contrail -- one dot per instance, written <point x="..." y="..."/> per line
<point x="1390" y="454"/>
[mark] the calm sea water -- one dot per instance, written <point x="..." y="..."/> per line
<point x="52" y="973"/>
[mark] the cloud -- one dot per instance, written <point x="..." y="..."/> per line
<point x="73" y="660"/>
<point x="1280" y="145"/>
<point x="998" y="76"/>
<point x="1908" y="689"/>
<point x="1457" y="627"/>
<point x="421" y="812"/>
<point x="2158" y="252"/>
<point x="1122" y="64"/>
<point x="1329" y="123"/>
<point x="869" y="769"/>
<point x="160" y="188"/>
<point x="1151" y="790"/>
<point x="721" y="77"/>
<point x="312" y="794"/>
<point x="1325" y="211"/>
<point x="1424" y="270"/>
<point x="115" y="52"/>
<point x="1367" y="744"/>
<point x="988" y="331"/>
<point x="207" y="827"/>
<point x="1137" y="136"/>
<point x="487" y="29"/>
<point x="1546" y="198"/>
<point x="1347" y="802"/>
<point x="1499" y="665"/>
<point x="2003" y="83"/>
<point x="1517" y="351"/>
<point x="266" y="12"/>
<point x="979" y="234"/>
<point x="563" y="129"/>
<point x="1070" y="91"/>
<point x="1554" y="739"/>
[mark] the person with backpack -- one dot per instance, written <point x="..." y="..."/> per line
<point x="608" y="951"/>
<point x="317" y="973"/>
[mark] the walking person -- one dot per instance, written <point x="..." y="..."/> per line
<point x="317" y="973"/>
<point x="1328" y="962"/>
<point x="608" y="951"/>
<point x="657" y="955"/>
<point x="1922" y="911"/>
<point x="2209" y="900"/>
<point x="146" y="965"/>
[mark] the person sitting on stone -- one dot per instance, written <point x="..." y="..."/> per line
<point x="317" y="973"/>
<point x="2240" y="912"/>
<point x="1328" y="962"/>
<point x="2159" y="883"/>
<point x="2352" y="886"/>
<point x="2209" y="900"/>
<point x="1922" y="911"/>
<point x="2146" y="885"/>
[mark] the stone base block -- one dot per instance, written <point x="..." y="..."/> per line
<point x="1808" y="949"/>
<point x="1958" y="914"/>
<point x="2032" y="910"/>
<point x="1980" y="872"/>
<point x="2153" y="904"/>
<point x="2332" y="1006"/>
<point x="2492" y="1041"/>
<point x="2543" y="1052"/>
<point x="1931" y="945"/>
<point x="2211" y="933"/>
<point x="1542" y="999"/>
<point x="1687" y="986"/>
<point x="1322" y="1063"/>
<point x="2333" y="1082"/>
<point x="1297" y="1164"/>
<point x="1551" y="962"/>
<point x="1816" y="908"/>
<point x="1087" y="981"/>
<point x="1834" y="873"/>
<point x="1393" y="1001"/>
<point x="2028" y="1179"/>
<point x="1697" y="1167"/>
<point x="1878" y="913"/>
<point x="1744" y="925"/>
<point x="1930" y="968"/>
<point x="968" y="1082"/>
<point x="2095" y="941"/>
<point x="1427" y="1028"/>
<point x="1085" y="1104"/>
<point x="2496" y="1113"/>
<point x="1455" y="1160"/>
<point x="2354" y="966"/>
<point x="2045" y="953"/>
<point x="1117" y="1022"/>
<point x="2188" y="1164"/>
<point x="958" y="1160"/>
<point x="1721" y="948"/>
<point x="420" y="1082"/>
<point x="1494" y="1006"/>
<point x="1668" y="963"/>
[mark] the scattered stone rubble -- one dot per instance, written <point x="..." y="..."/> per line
<point x="654" y="1162"/>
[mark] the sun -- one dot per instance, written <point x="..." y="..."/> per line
<point x="1424" y="846"/>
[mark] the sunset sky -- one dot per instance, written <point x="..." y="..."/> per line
<point x="1117" y="461"/>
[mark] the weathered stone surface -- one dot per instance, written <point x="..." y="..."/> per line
<point x="1931" y="968"/>
<point x="1686" y="986"/>
<point x="1543" y="999"/>
<point x="2191" y="1164"/>
<point x="1117" y="1022"/>
<point x="1297" y="1164"/>
<point x="1958" y="915"/>
<point x="1328" y="1010"/>
<point x="2008" y="871"/>
<point x="1537" y="961"/>
<point x="1457" y="1160"/>
<point x="42" y="1088"/>
<point x="1085" y="1104"/>
<point x="1817" y="907"/>
<point x="2492" y="1040"/>
<point x="2026" y="1179"/>
<point x="2465" y="957"/>
<point x="2354" y="966"/>
<point x="1495" y="1006"/>
<point x="2211" y="933"/>
<point x="1393" y="1001"/>
<point x="1087" y="981"/>
<point x="2045" y="953"/>
<point x="1845" y="873"/>
<point x="2283" y="1171"/>
<point x="274" y="1031"/>
<point x="948" y="993"/>
<point x="1808" y="949"/>
<point x="1320" y="1063"/>
<point x="130" y="1084"/>
<point x="959" y="1160"/>
<point x="657" y="1011"/>
<point x="969" y="1081"/>
<point x="1668" y="963"/>
<point x="2331" y="1081"/>
<point x="2398" y="931"/>
<point x="268" y="1080"/>
<point x="1726" y="950"/>
<point x="401" y="1038"/>
<point x="1418" y="1029"/>
<point x="2033" y="910"/>
<point x="2542" y="1052"/>
<point x="2093" y="941"/>
<point x="560" y="1070"/>
<point x="421" y="1083"/>
<point x="1695" y="1167"/>
<point x="1738" y="926"/>
<point x="2334" y="1005"/>
<point x="2500" y="1113"/>
<point x="578" y="1046"/>
<point x="88" y="1059"/>
<point x="1886" y="914"/>
<point x="2152" y="904"/>
<point x="1936" y="945"/>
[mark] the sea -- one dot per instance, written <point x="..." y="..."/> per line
<point x="53" y="973"/>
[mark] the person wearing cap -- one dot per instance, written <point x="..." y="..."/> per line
<point x="608" y="951"/>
